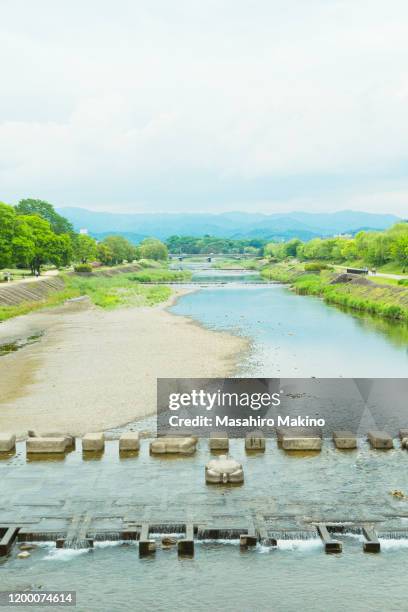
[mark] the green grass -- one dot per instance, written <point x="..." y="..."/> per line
<point x="105" y="292"/>
<point x="119" y="290"/>
<point x="160" y="276"/>
<point x="229" y="263"/>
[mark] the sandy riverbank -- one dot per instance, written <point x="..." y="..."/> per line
<point x="95" y="369"/>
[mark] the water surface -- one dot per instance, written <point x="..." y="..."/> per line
<point x="300" y="336"/>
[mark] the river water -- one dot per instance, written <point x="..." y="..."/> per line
<point x="295" y="335"/>
<point x="291" y="336"/>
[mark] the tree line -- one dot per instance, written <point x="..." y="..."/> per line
<point x="204" y="245"/>
<point x="368" y="247"/>
<point x="33" y="234"/>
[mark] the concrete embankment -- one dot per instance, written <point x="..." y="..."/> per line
<point x="18" y="293"/>
<point x="15" y="293"/>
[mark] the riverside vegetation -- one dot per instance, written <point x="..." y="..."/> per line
<point x="384" y="299"/>
<point x="33" y="235"/>
<point x="123" y="289"/>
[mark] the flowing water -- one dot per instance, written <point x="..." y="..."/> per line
<point x="291" y="336"/>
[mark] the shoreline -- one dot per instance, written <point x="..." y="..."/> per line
<point x="387" y="302"/>
<point x="96" y="370"/>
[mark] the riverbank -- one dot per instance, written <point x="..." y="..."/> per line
<point x="363" y="294"/>
<point x="95" y="369"/>
<point x="106" y="287"/>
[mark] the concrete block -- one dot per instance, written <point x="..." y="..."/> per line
<point x="371" y="544"/>
<point x="404" y="442"/>
<point x="301" y="444"/>
<point x="146" y="546"/>
<point x="167" y="445"/>
<point x="46" y="445"/>
<point x="380" y="439"/>
<point x="219" y="440"/>
<point x="298" y="432"/>
<point x="70" y="440"/>
<point x="255" y="441"/>
<point x="246" y="540"/>
<point x="93" y="442"/>
<point x="223" y="470"/>
<point x="185" y="547"/>
<point x="129" y="441"/>
<point x="330" y="545"/>
<point x="344" y="439"/>
<point x="7" y="538"/>
<point x="7" y="442"/>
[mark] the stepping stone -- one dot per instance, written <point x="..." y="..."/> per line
<point x="7" y="442"/>
<point x="380" y="439"/>
<point x="301" y="443"/>
<point x="167" y="445"/>
<point x="255" y="441"/>
<point x="129" y="441"/>
<point x="70" y="440"/>
<point x="93" y="442"/>
<point x="219" y="440"/>
<point x="344" y="439"/>
<point x="46" y="445"/>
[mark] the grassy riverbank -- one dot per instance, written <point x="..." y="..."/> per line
<point x="384" y="299"/>
<point x="122" y="289"/>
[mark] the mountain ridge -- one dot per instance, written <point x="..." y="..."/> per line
<point x="305" y="225"/>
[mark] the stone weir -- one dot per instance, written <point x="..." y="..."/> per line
<point x="84" y="529"/>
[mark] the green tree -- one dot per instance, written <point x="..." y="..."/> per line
<point x="84" y="248"/>
<point x="151" y="248"/>
<point x="41" y="208"/>
<point x="44" y="248"/>
<point x="104" y="254"/>
<point x="23" y="244"/>
<point x="7" y="229"/>
<point x="399" y="250"/>
<point x="120" y="248"/>
<point x="292" y="246"/>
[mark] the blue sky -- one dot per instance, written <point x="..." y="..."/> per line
<point x="205" y="105"/>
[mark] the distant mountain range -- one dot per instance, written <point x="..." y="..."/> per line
<point x="276" y="226"/>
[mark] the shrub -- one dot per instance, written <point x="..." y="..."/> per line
<point x="83" y="268"/>
<point x="315" y="266"/>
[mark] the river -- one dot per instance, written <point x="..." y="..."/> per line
<point x="295" y="335"/>
<point x="291" y="336"/>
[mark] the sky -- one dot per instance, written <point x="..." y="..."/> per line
<point x="205" y="105"/>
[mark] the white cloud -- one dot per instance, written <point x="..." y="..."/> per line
<point x="204" y="104"/>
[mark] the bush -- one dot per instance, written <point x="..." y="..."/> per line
<point x="83" y="269"/>
<point x="403" y="282"/>
<point x="160" y="276"/>
<point x="315" y="266"/>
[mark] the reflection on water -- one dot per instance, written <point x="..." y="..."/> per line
<point x="395" y="332"/>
